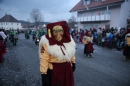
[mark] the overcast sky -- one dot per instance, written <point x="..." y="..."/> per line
<point x="52" y="10"/>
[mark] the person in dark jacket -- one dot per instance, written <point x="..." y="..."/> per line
<point x="120" y="40"/>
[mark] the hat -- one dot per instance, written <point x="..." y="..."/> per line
<point x="66" y="36"/>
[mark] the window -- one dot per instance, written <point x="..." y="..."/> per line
<point x="92" y="13"/>
<point x="107" y="26"/>
<point x="103" y="12"/>
<point x="85" y="14"/>
<point x="109" y="12"/>
<point x="81" y="15"/>
<point x="6" y="23"/>
<point x="86" y="2"/>
<point x="17" y="23"/>
<point x="12" y="23"/>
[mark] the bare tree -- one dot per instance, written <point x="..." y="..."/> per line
<point x="36" y="16"/>
<point x="72" y="22"/>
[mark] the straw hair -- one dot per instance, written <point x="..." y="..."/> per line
<point x="87" y="39"/>
<point x="49" y="33"/>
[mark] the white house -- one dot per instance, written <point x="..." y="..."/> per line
<point x="8" y="22"/>
<point x="102" y="13"/>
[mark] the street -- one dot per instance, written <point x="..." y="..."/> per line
<point x="21" y="66"/>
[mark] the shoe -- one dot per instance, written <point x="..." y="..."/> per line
<point x="90" y="55"/>
<point x="1" y="61"/>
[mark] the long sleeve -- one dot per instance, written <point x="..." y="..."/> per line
<point x="73" y="59"/>
<point x="44" y="60"/>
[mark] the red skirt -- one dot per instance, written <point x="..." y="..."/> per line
<point x="1" y="52"/>
<point x="62" y="74"/>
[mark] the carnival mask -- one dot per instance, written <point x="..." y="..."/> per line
<point x="58" y="32"/>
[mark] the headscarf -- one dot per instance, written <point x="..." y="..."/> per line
<point x="66" y="36"/>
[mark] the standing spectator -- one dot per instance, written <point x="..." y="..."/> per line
<point x="111" y="35"/>
<point x="99" y="36"/>
<point x="120" y="39"/>
<point x="103" y="38"/>
<point x="94" y="36"/>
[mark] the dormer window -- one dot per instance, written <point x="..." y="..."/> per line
<point x="86" y="2"/>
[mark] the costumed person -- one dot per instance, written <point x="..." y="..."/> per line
<point x="88" y="46"/>
<point x="126" y="50"/>
<point x="2" y="46"/>
<point x="81" y="36"/>
<point x="57" y="55"/>
<point x="99" y="36"/>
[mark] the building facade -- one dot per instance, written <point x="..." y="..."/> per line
<point x="8" y="22"/>
<point x="102" y="13"/>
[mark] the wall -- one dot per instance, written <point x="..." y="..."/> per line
<point x="115" y="16"/>
<point x="124" y="13"/>
<point x="8" y="25"/>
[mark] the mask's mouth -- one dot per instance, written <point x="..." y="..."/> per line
<point x="59" y="38"/>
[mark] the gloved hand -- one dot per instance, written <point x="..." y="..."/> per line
<point x="45" y="80"/>
<point x="73" y="66"/>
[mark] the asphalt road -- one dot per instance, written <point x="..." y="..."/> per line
<point x="106" y="68"/>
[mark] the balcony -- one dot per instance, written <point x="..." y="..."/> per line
<point x="94" y="18"/>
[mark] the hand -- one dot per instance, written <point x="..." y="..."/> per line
<point x="45" y="80"/>
<point x="73" y="67"/>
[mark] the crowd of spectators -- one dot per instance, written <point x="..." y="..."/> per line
<point x="108" y="37"/>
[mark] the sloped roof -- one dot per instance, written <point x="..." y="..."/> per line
<point x="80" y="6"/>
<point x="8" y="18"/>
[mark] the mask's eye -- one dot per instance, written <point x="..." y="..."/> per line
<point x="60" y="31"/>
<point x="54" y="31"/>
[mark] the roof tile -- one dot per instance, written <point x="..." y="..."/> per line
<point x="8" y="18"/>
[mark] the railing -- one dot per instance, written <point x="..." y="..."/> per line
<point x="94" y="18"/>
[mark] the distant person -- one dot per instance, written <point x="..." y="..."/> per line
<point x="88" y="46"/>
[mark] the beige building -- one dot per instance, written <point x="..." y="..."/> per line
<point x="102" y="13"/>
